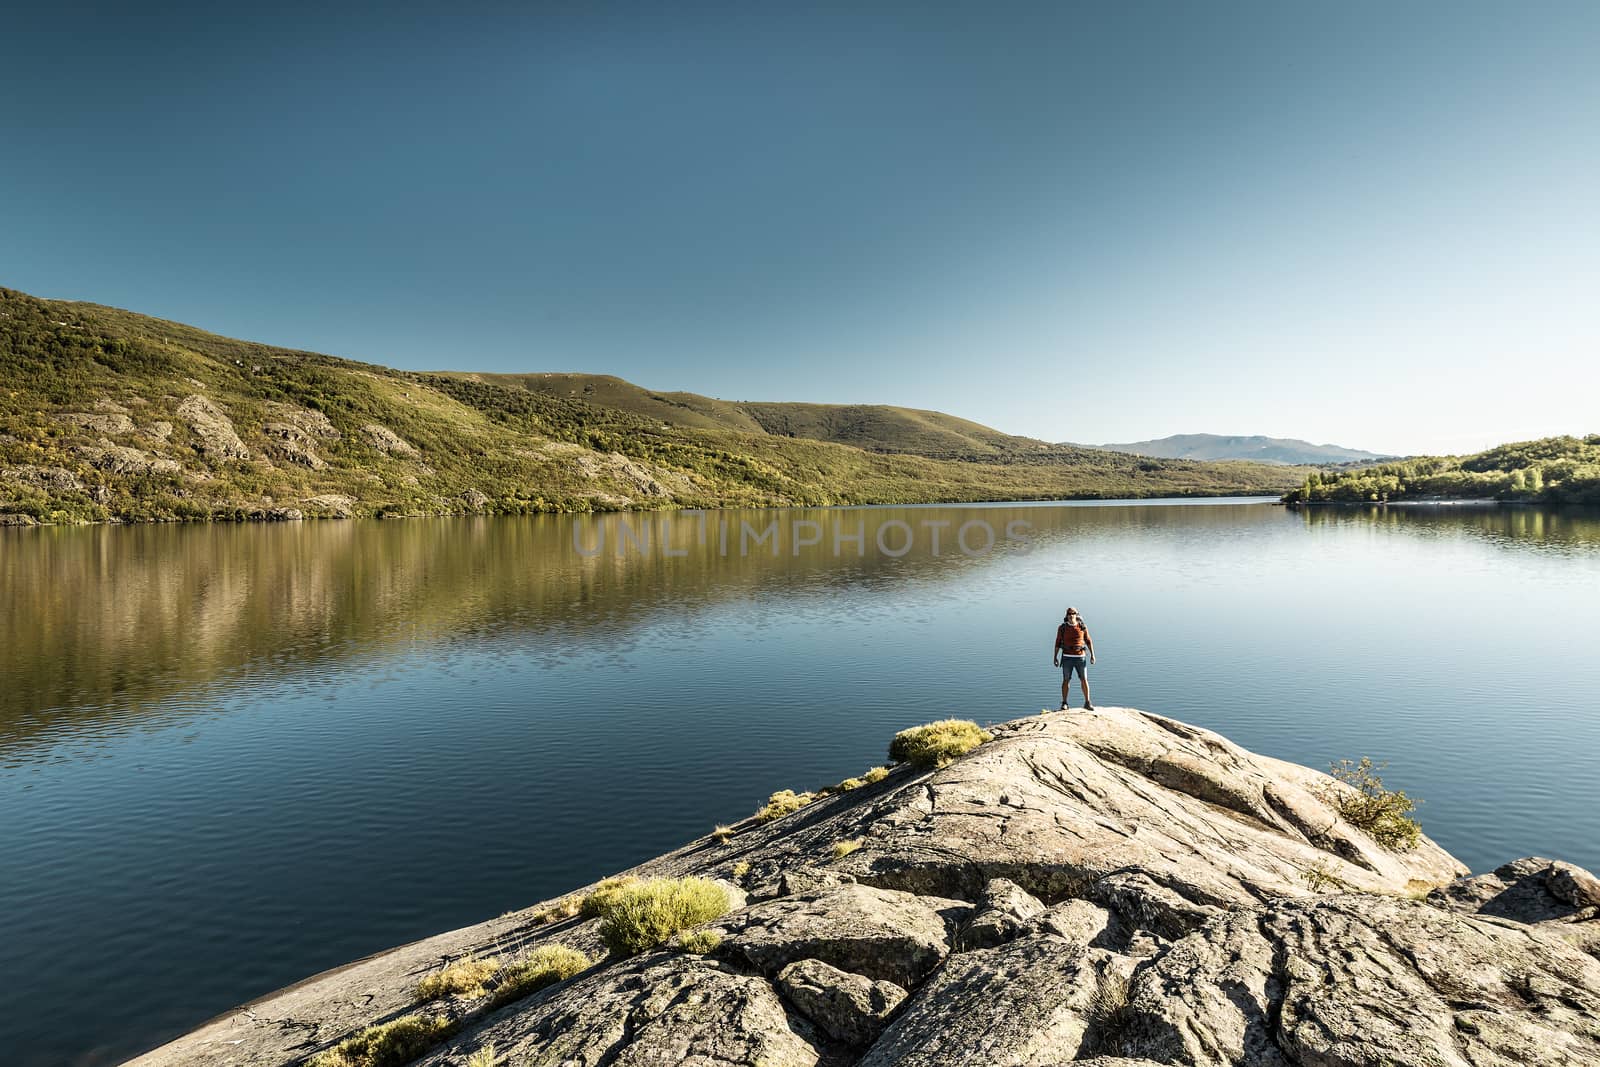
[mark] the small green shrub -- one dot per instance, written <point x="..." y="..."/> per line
<point x="700" y="942"/>
<point x="544" y="966"/>
<point x="784" y="802"/>
<point x="641" y="916"/>
<point x="594" y="903"/>
<point x="875" y="775"/>
<point x="841" y="849"/>
<point x="850" y="783"/>
<point x="389" y="1044"/>
<point x="1382" y="814"/>
<point x="741" y="868"/>
<point x="1320" y="878"/>
<point x="466" y="977"/>
<point x="937" y="743"/>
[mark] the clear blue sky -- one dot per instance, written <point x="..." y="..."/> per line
<point x="1372" y="223"/>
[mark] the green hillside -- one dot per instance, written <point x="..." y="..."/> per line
<point x="1553" y="470"/>
<point x="106" y="415"/>
<point x="874" y="427"/>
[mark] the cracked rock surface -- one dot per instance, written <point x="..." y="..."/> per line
<point x="1117" y="889"/>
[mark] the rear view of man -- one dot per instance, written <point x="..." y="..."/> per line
<point x="1074" y="651"/>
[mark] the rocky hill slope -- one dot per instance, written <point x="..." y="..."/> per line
<point x="1114" y="888"/>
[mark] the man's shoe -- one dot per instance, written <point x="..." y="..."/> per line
<point x="1088" y="707"/>
<point x="1064" y="706"/>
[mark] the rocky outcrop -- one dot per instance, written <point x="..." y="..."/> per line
<point x="387" y="441"/>
<point x="99" y="422"/>
<point x="55" y="479"/>
<point x="292" y="434"/>
<point x="214" y="435"/>
<point x="120" y="459"/>
<point x="1116" y="888"/>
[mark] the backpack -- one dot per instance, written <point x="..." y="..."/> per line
<point x="1075" y="645"/>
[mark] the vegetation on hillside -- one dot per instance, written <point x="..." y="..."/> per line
<point x="106" y="415"/>
<point x="1553" y="470"/>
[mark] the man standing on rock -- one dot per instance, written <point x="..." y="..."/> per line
<point x="1074" y="651"/>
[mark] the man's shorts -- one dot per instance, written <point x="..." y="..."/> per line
<point x="1075" y="663"/>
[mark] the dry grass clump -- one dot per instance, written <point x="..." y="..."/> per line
<point x="936" y="744"/>
<point x="544" y="966"/>
<point x="841" y="849"/>
<point x="784" y="802"/>
<point x="741" y="868"/>
<point x="700" y="942"/>
<point x="466" y="977"/>
<point x="1109" y="1017"/>
<point x="641" y="916"/>
<point x="850" y="783"/>
<point x="484" y="1057"/>
<point x="1382" y="814"/>
<point x="722" y="834"/>
<point x="875" y="775"/>
<point x="565" y="908"/>
<point x="389" y="1044"/>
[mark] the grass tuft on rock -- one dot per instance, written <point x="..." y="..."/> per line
<point x="389" y="1044"/>
<point x="784" y="802"/>
<point x="936" y="744"/>
<point x="544" y="966"/>
<point x="875" y="775"/>
<point x="484" y="1057"/>
<point x="1382" y="814"/>
<point x="466" y="977"/>
<point x="700" y="942"/>
<point x="644" y="915"/>
<point x="1320" y="877"/>
<point x="841" y="849"/>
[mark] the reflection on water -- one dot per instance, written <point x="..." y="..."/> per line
<point x="231" y="756"/>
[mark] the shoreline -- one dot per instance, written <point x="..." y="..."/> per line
<point x="665" y="509"/>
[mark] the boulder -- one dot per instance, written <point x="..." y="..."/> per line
<point x="884" y="934"/>
<point x="848" y="1007"/>
<point x="655" y="1011"/>
<point x="1036" y="1000"/>
<point x="1003" y="913"/>
<point x="1528" y="890"/>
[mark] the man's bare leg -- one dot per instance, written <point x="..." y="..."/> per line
<point x="1084" y="681"/>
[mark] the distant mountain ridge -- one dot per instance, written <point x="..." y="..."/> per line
<point x="1288" y="451"/>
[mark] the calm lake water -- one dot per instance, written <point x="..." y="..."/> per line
<point x="233" y="756"/>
